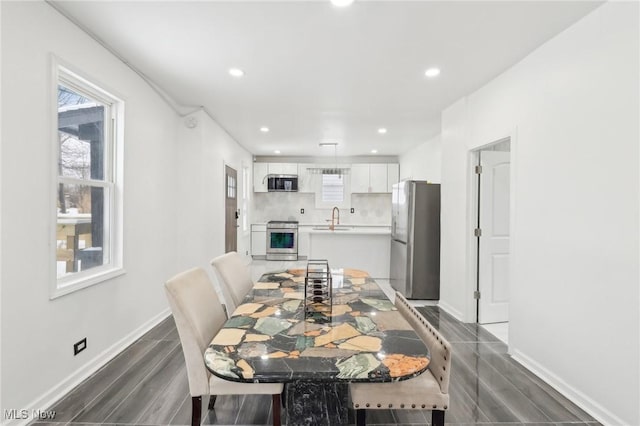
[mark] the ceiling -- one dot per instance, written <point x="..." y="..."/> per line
<point x="315" y="72"/>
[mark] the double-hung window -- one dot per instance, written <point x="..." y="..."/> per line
<point x="88" y="188"/>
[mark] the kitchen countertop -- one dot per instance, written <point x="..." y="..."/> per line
<point x="342" y="229"/>
<point x="351" y="230"/>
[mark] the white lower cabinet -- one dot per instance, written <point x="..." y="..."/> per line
<point x="303" y="242"/>
<point x="258" y="240"/>
<point x="368" y="252"/>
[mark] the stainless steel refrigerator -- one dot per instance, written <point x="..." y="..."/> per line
<point x="415" y="239"/>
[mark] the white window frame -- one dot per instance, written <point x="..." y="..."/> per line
<point x="112" y="183"/>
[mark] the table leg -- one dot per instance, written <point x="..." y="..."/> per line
<point x="317" y="403"/>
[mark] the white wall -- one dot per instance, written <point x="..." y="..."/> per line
<point x="203" y="152"/>
<point x="572" y="107"/>
<point x="1" y="145"/>
<point x="38" y="333"/>
<point x="424" y="162"/>
<point x="173" y="209"/>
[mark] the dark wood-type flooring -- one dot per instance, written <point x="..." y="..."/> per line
<point x="147" y="385"/>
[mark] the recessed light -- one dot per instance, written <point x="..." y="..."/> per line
<point x="374" y="151"/>
<point x="382" y="130"/>
<point x="264" y="129"/>
<point x="277" y="151"/>
<point x="341" y="3"/>
<point x="432" y="72"/>
<point x="236" y="72"/>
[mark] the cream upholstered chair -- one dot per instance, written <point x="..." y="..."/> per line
<point x="235" y="276"/>
<point x="428" y="391"/>
<point x="199" y="315"/>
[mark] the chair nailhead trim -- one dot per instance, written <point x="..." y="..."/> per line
<point x="367" y="405"/>
<point x="423" y="405"/>
<point x="379" y="405"/>
<point x="390" y="405"/>
<point x="401" y="405"/>
<point x="357" y="405"/>
<point x="435" y="406"/>
<point x="413" y="405"/>
<point x="445" y="407"/>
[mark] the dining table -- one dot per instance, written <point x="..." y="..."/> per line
<point x="273" y="337"/>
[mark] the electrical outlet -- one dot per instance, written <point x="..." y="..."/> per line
<point x="301" y="211"/>
<point x="80" y="346"/>
<point x="353" y="210"/>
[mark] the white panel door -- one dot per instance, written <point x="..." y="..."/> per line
<point x="493" y="258"/>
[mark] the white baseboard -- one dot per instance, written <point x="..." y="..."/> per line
<point x="51" y="396"/>
<point x="596" y="410"/>
<point x="451" y="310"/>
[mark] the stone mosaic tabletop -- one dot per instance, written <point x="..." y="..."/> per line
<point x="269" y="339"/>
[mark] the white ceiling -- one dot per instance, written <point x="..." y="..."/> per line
<point x="314" y="72"/>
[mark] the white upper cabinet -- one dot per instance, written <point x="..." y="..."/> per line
<point x="260" y="172"/>
<point x="375" y="178"/>
<point x="378" y="178"/>
<point x="359" y="178"/>
<point x="364" y="178"/>
<point x="393" y="176"/>
<point x="283" y="168"/>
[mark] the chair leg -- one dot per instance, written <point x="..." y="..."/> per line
<point x="283" y="396"/>
<point x="437" y="418"/>
<point x="361" y="417"/>
<point x="275" y="402"/>
<point x="196" y="410"/>
<point x="212" y="401"/>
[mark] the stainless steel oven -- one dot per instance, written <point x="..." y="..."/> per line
<point x="282" y="240"/>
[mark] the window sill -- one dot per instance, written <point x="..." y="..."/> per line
<point x="79" y="283"/>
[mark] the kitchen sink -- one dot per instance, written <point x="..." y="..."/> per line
<point x="336" y="228"/>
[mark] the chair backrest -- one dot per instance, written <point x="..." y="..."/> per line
<point x="235" y="276"/>
<point x="439" y="348"/>
<point x="198" y="315"/>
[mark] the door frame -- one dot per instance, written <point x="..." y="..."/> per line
<point x="226" y="164"/>
<point x="471" y="314"/>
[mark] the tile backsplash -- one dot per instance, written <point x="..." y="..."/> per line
<point x="369" y="209"/>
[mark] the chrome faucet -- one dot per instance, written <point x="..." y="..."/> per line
<point x="333" y="212"/>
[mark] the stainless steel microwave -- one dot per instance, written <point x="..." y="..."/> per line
<point x="283" y="183"/>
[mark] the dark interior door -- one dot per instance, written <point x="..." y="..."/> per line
<point x="231" y="210"/>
